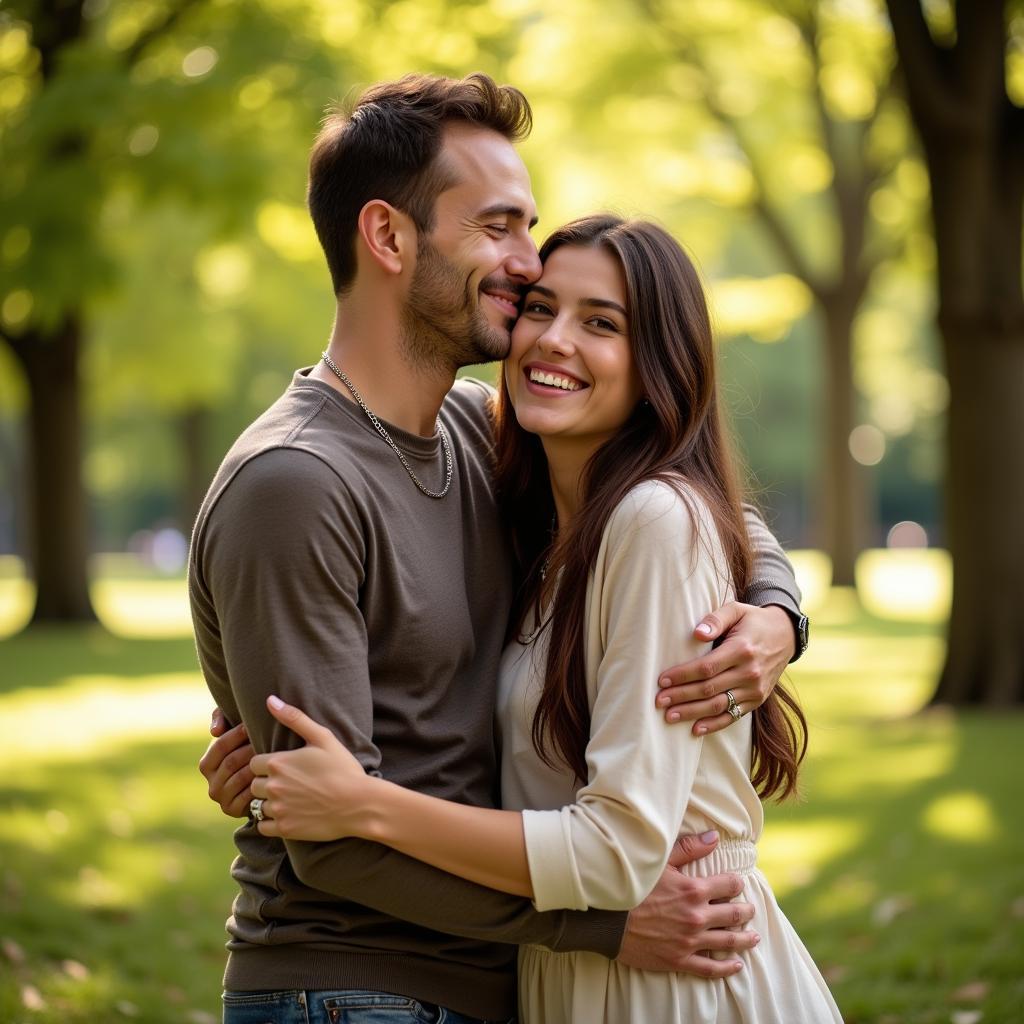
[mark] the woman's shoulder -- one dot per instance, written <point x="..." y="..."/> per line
<point x="661" y="507"/>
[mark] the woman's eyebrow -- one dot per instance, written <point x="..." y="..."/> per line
<point x="599" y="303"/>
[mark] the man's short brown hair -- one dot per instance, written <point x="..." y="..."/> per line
<point x="387" y="147"/>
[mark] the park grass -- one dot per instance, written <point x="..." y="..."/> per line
<point x="903" y="868"/>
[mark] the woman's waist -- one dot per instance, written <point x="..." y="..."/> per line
<point x="731" y="855"/>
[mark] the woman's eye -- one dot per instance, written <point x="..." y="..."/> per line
<point x="602" y="324"/>
<point x="537" y="307"/>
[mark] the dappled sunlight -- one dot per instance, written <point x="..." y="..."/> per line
<point x="911" y="585"/>
<point x="791" y="854"/>
<point x="964" y="816"/>
<point x="140" y="608"/>
<point x="90" y="716"/>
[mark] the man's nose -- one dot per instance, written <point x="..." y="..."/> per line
<point x="524" y="263"/>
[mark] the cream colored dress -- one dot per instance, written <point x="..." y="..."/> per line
<point x="605" y="844"/>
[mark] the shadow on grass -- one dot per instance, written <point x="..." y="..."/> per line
<point x="922" y="916"/>
<point x="43" y="656"/>
<point x="118" y="865"/>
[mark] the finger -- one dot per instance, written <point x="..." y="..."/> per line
<point x="723" y="887"/>
<point x="720" y="621"/>
<point x="268" y="827"/>
<point x="682" y="698"/>
<point x="706" y="726"/>
<point x="260" y="764"/>
<point x="237" y="784"/>
<point x="220" y="748"/>
<point x="708" y="967"/>
<point x="726" y="939"/>
<point x="259" y="786"/>
<point x="239" y="807"/>
<point x="299" y="722"/>
<point x="688" y="848"/>
<point x="721" y="917"/>
<point x="218" y="723"/>
<point x="704" y="668"/>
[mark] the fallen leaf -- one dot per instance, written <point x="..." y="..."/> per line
<point x="886" y="911"/>
<point x="31" y="998"/>
<point x="834" y="973"/>
<point x="966" y="1017"/>
<point x="127" y="1009"/>
<point x="74" y="969"/>
<point x="12" y="951"/>
<point x="972" y="992"/>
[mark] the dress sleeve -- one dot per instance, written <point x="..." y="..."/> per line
<point x="659" y="569"/>
<point x="282" y="557"/>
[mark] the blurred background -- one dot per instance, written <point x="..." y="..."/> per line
<point x="849" y="178"/>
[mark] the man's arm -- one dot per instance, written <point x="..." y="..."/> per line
<point x="281" y="557"/>
<point x="757" y="638"/>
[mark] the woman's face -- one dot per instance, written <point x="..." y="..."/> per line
<point x="570" y="372"/>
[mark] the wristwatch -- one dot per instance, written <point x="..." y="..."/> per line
<point x="802" y="629"/>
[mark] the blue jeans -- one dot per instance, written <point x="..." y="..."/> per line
<point x="341" y="1007"/>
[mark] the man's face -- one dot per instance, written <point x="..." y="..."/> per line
<point x="472" y="268"/>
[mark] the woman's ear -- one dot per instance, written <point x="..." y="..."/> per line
<point x="388" y="235"/>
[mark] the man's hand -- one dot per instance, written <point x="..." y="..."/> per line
<point x="686" y="920"/>
<point x="225" y="766"/>
<point x="758" y="645"/>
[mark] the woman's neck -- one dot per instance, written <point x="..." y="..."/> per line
<point x="566" y="462"/>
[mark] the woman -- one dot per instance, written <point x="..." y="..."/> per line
<point x="616" y="478"/>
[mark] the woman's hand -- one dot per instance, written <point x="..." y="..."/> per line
<point x="749" y="662"/>
<point x="318" y="792"/>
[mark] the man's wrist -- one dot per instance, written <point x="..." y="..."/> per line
<point x="801" y="629"/>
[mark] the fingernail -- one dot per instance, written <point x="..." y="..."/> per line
<point x="704" y="628"/>
<point x="757" y="939"/>
<point x="707" y="838"/>
<point x="738" y="966"/>
<point x="664" y="681"/>
<point x="673" y="716"/>
<point x="664" y="701"/>
<point x="275" y="702"/>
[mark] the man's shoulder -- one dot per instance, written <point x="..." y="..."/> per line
<point x="468" y="404"/>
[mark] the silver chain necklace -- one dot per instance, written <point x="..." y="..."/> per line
<point x="448" y="464"/>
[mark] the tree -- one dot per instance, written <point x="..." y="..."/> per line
<point x="116" y="103"/>
<point x="839" y="76"/>
<point x="972" y="133"/>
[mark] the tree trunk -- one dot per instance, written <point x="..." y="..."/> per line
<point x="195" y="479"/>
<point x="985" y="509"/>
<point x="58" y="546"/>
<point x="842" y="496"/>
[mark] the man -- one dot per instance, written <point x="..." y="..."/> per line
<point x="350" y="558"/>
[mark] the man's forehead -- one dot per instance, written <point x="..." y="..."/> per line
<point x="488" y="171"/>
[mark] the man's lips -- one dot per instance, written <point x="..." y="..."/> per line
<point x="507" y="302"/>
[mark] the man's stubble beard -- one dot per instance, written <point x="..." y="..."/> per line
<point x="443" y="326"/>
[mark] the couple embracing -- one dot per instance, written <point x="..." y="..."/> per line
<point x="457" y="626"/>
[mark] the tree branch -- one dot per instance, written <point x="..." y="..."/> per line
<point x="158" y="28"/>
<point x="924" y="66"/>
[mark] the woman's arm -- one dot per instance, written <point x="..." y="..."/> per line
<point x="320" y="792"/>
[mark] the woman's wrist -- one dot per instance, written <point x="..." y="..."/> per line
<point x="374" y="814"/>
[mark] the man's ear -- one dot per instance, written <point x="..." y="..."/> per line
<point x="388" y="235"/>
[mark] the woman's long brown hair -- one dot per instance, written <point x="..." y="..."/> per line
<point x="676" y="432"/>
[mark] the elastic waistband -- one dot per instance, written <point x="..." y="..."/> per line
<point x="738" y="856"/>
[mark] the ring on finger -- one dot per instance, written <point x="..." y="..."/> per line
<point x="256" y="808"/>
<point x="731" y="698"/>
<point x="734" y="710"/>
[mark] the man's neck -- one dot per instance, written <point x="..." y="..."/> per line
<point x="365" y="344"/>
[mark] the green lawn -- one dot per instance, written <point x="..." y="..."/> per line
<point x="903" y="868"/>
